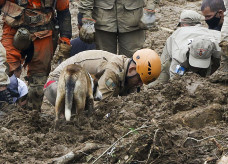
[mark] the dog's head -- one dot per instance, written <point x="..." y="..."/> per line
<point x="96" y="92"/>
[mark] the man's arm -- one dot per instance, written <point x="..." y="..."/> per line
<point x="216" y="58"/>
<point x="64" y="19"/>
<point x="109" y="84"/>
<point x="165" y="65"/>
<point x="65" y="29"/>
<point x="4" y="79"/>
<point x="224" y="32"/>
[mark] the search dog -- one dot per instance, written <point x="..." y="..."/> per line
<point x="77" y="90"/>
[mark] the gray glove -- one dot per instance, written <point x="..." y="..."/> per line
<point x="147" y="20"/>
<point x="6" y="96"/>
<point x="87" y="31"/>
<point x="224" y="46"/>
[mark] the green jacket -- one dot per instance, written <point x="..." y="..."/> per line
<point x="115" y="15"/>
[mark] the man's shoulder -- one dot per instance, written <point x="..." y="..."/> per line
<point x="192" y="32"/>
<point x="190" y="29"/>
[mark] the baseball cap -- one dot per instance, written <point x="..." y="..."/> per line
<point x="190" y="16"/>
<point x="201" y="50"/>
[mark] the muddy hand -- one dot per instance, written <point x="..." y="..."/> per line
<point x="87" y="32"/>
<point x="224" y="46"/>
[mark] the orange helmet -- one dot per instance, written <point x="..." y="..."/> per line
<point x="148" y="65"/>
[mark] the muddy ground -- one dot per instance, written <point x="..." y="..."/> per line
<point x="182" y="122"/>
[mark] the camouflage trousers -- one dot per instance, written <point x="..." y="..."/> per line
<point x="36" y="93"/>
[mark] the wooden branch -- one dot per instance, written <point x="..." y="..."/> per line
<point x="77" y="153"/>
<point x="131" y="131"/>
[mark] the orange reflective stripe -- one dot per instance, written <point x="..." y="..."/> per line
<point x="62" y="5"/>
<point x="65" y="40"/>
<point x="34" y="4"/>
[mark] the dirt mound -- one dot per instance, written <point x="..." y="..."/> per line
<point x="184" y="121"/>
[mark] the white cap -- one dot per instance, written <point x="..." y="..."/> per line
<point x="201" y="50"/>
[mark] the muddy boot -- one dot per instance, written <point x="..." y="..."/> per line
<point x="221" y="75"/>
<point x="35" y="94"/>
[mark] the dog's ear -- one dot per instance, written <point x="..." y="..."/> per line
<point x="99" y="74"/>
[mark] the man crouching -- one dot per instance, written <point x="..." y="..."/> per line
<point x="76" y="91"/>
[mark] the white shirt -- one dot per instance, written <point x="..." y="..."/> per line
<point x="22" y="89"/>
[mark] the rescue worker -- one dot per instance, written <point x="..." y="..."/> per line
<point x="190" y="48"/>
<point x="77" y="44"/>
<point x="5" y="95"/>
<point x="30" y="31"/>
<point x="116" y="24"/>
<point x="18" y="89"/>
<point x="221" y="75"/>
<point x="213" y="11"/>
<point x="122" y="75"/>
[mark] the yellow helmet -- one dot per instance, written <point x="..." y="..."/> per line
<point x="148" y="65"/>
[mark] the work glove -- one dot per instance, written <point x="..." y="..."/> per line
<point x="63" y="53"/>
<point x="147" y="20"/>
<point x="224" y="46"/>
<point x="6" y="96"/>
<point x="87" y="31"/>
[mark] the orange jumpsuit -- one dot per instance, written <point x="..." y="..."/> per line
<point x="43" y="45"/>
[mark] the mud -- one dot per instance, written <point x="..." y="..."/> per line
<point x="182" y="122"/>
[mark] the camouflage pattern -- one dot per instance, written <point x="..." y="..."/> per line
<point x="35" y="94"/>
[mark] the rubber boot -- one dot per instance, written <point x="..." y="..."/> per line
<point x="221" y="75"/>
<point x="36" y="94"/>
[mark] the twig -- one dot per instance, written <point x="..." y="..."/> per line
<point x="220" y="147"/>
<point x="152" y="145"/>
<point x="76" y="153"/>
<point x="143" y="126"/>
<point x="191" y="138"/>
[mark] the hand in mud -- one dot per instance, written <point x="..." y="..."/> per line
<point x="224" y="46"/>
<point x="87" y="31"/>
<point x="63" y="53"/>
